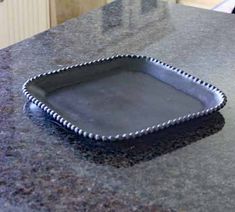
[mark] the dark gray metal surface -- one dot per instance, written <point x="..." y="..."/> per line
<point x="122" y="97"/>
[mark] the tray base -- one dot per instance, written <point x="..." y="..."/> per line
<point x="121" y="102"/>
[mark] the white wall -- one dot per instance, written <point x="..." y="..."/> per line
<point x="20" y="19"/>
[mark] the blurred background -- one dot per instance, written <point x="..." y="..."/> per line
<point x="20" y="19"/>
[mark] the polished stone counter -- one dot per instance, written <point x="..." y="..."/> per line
<point x="187" y="168"/>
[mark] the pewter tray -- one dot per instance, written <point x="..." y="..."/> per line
<point x="122" y="97"/>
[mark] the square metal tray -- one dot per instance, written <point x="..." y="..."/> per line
<point x="122" y="97"/>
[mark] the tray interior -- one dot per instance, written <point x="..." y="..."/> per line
<point x="121" y="96"/>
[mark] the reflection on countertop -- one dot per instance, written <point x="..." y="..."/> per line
<point x="44" y="14"/>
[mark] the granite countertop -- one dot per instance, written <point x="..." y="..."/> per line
<point x="188" y="168"/>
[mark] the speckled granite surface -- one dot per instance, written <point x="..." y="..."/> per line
<point x="188" y="168"/>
